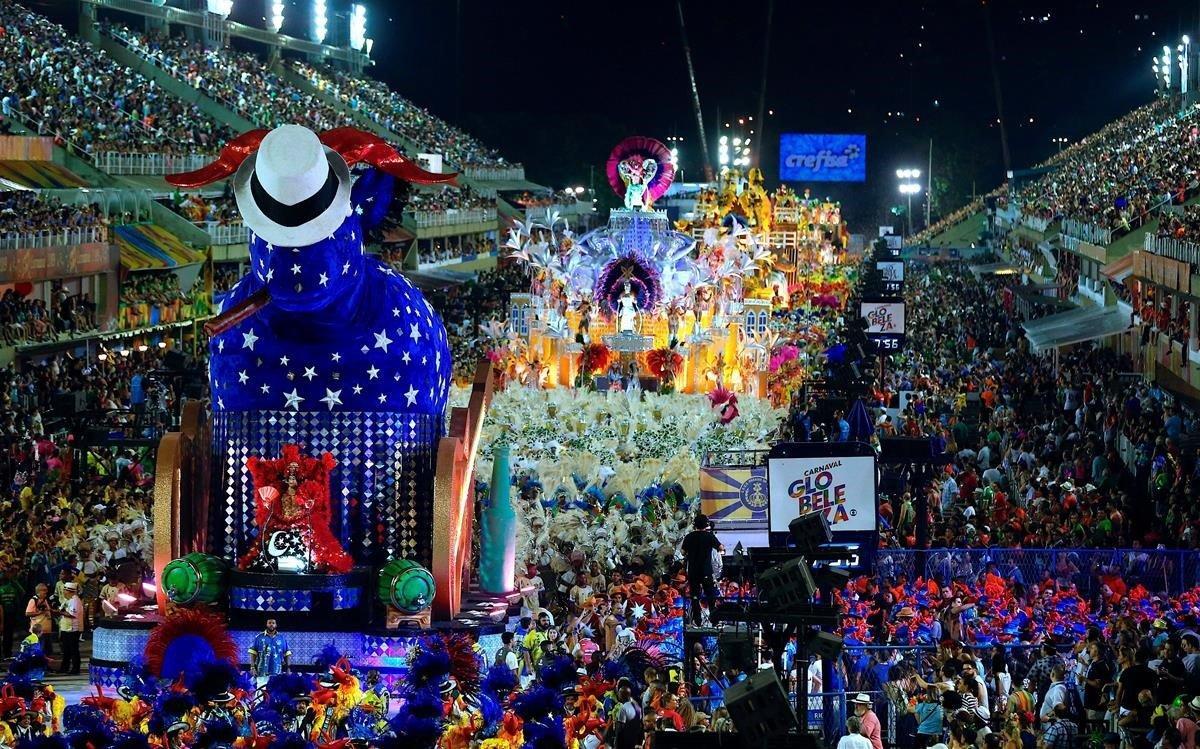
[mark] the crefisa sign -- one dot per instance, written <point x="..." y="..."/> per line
<point x="822" y="157"/>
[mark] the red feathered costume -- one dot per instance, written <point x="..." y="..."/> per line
<point x="292" y="494"/>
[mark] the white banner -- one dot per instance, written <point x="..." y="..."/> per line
<point x="842" y="487"/>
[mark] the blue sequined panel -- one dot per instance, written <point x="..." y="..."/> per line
<point x="386" y="652"/>
<point x="273" y="599"/>
<point x="382" y="487"/>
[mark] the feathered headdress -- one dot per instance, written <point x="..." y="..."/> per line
<point x="184" y="642"/>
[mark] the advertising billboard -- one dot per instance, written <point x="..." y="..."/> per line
<point x="842" y="487"/>
<point x="892" y="270"/>
<point x="884" y="316"/>
<point x="822" y="157"/>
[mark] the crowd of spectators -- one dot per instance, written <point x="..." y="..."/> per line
<point x="65" y="87"/>
<point x="225" y="276"/>
<point x="1115" y="177"/>
<point x="544" y="200"/>
<point x="447" y="199"/>
<point x="465" y="307"/>
<point x="153" y="298"/>
<point x="385" y="107"/>
<point x="241" y="81"/>
<point x="27" y="212"/>
<point x="1183" y="225"/>
<point x="199" y="209"/>
<point x="447" y="251"/>
<point x="1043" y="454"/>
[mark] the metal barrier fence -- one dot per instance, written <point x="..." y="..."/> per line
<point x="231" y="233"/>
<point x="1165" y="571"/>
<point x="147" y="164"/>
<point x="494" y="172"/>
<point x="452" y="217"/>
<point x="60" y="238"/>
<point x="1098" y="235"/>
<point x="1177" y="249"/>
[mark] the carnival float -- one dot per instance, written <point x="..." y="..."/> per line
<point x="669" y="307"/>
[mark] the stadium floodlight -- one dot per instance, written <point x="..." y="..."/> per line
<point x="909" y="188"/>
<point x="276" y="15"/>
<point x="1185" y="58"/>
<point x="358" y="26"/>
<point x="320" y="22"/>
<point x="221" y="7"/>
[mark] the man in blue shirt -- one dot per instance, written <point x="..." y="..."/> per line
<point x="269" y="655"/>
<point x="843" y="428"/>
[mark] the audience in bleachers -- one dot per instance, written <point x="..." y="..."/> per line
<point x="1184" y="226"/>
<point x="1115" y="177"/>
<point x="239" y="80"/>
<point x="65" y="87"/>
<point x="153" y="298"/>
<point x="199" y="209"/>
<point x="387" y="108"/>
<point x="447" y="199"/>
<point x="27" y="212"/>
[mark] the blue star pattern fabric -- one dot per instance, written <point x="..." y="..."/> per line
<point x="382" y="349"/>
<point x="346" y="357"/>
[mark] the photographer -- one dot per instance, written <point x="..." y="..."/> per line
<point x="698" y="547"/>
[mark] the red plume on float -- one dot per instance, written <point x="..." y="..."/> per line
<point x="353" y="145"/>
<point x="185" y="641"/>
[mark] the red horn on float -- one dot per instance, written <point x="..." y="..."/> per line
<point x="232" y="155"/>
<point x="352" y="144"/>
<point x="357" y="146"/>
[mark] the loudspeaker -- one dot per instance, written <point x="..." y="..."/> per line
<point x="735" y="648"/>
<point x="810" y="531"/>
<point x="759" y="707"/>
<point x="824" y="645"/>
<point x="69" y="403"/>
<point x="786" y="585"/>
<point x="905" y="449"/>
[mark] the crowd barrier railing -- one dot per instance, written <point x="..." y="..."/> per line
<point x="452" y="217"/>
<point x="57" y="238"/>
<point x="147" y="164"/>
<point x="1182" y="250"/>
<point x="486" y="173"/>
<point x="222" y="234"/>
<point x="1086" y="232"/>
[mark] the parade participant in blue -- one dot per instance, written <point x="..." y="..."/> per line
<point x="323" y="346"/>
<point x="270" y="654"/>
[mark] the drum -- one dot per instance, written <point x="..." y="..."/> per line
<point x="406" y="585"/>
<point x="195" y="578"/>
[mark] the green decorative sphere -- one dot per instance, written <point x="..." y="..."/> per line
<point x="195" y="578"/>
<point x="406" y="585"/>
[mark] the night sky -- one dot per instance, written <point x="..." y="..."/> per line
<point x="555" y="84"/>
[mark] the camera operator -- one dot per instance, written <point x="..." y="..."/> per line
<point x="698" y="547"/>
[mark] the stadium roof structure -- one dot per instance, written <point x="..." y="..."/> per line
<point x="1076" y="326"/>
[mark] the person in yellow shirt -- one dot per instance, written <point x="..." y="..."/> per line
<point x="531" y="645"/>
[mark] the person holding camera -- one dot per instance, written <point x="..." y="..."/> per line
<point x="698" y="547"/>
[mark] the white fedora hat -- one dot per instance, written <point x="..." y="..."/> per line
<point x="293" y="192"/>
